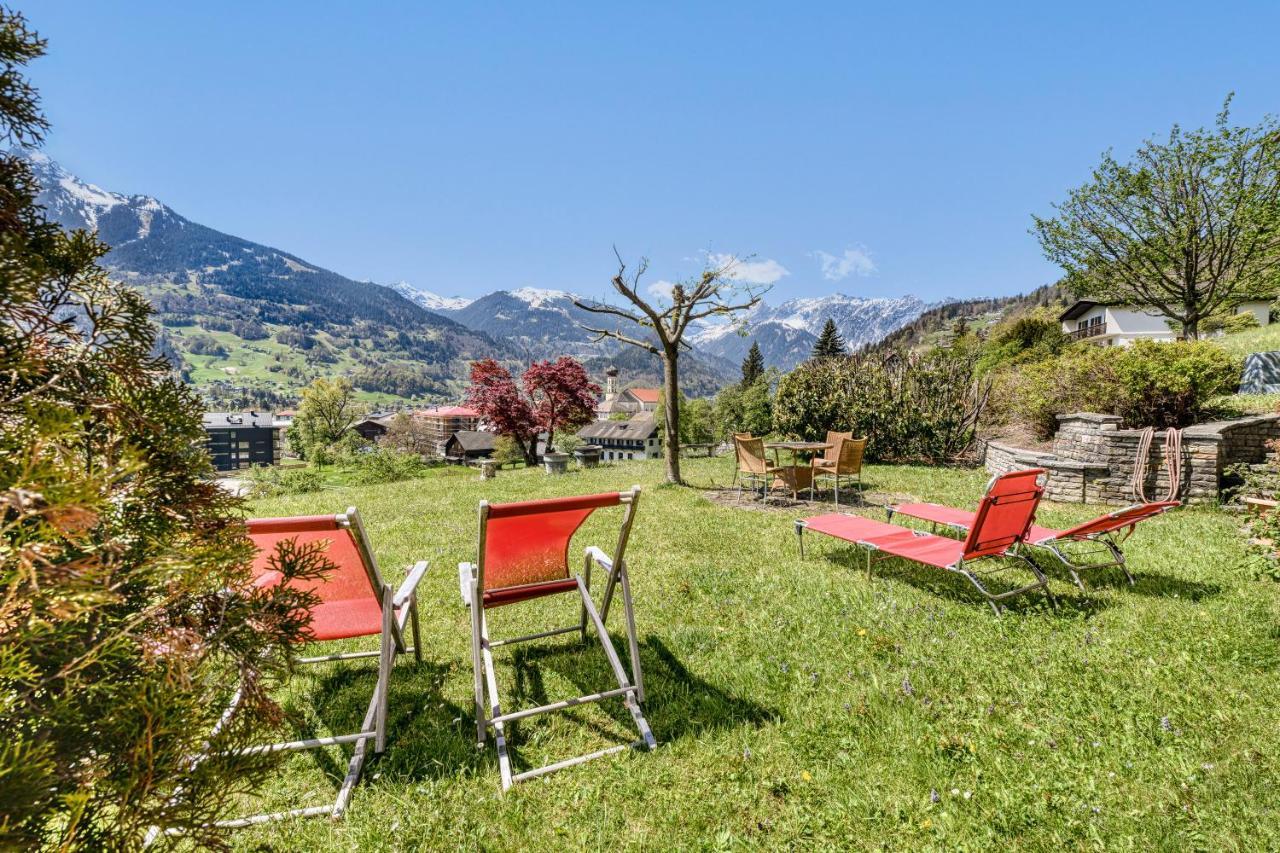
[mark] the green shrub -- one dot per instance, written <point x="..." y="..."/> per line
<point x="910" y="407"/>
<point x="1147" y="384"/>
<point x="1230" y="323"/>
<point x="387" y="466"/>
<point x="269" y="482"/>
<point x="1030" y="337"/>
<point x="127" y="618"/>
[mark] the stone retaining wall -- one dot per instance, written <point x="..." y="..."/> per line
<point x="1093" y="459"/>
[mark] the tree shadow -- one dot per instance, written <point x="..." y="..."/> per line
<point x="950" y="585"/>
<point x="677" y="704"/>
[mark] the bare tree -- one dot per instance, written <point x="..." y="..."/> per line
<point x="716" y="292"/>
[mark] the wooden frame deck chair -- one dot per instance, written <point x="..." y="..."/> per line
<point x="1106" y="531"/>
<point x="523" y="555"/>
<point x="753" y="465"/>
<point x="1001" y="524"/>
<point x="842" y="459"/>
<point x="355" y="601"/>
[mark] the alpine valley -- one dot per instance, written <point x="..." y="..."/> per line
<point x="250" y="325"/>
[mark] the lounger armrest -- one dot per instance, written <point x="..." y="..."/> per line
<point x="601" y="558"/>
<point x="410" y="585"/>
<point x="466" y="579"/>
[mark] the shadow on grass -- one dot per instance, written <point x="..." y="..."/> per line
<point x="677" y="702"/>
<point x="947" y="584"/>
<point x="423" y="734"/>
<point x="1112" y="577"/>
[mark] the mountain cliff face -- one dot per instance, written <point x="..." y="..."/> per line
<point x="786" y="333"/>
<point x="250" y="322"/>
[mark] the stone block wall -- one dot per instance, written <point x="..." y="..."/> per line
<point x="1093" y="459"/>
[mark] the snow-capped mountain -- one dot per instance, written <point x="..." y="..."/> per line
<point x="786" y="333"/>
<point x="427" y="299"/>
<point x="119" y="219"/>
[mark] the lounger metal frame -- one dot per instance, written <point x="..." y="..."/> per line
<point x="374" y="726"/>
<point x="488" y="706"/>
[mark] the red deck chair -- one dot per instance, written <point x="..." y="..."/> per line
<point x="354" y="602"/>
<point x="1001" y="524"/>
<point x="1109" y="531"/>
<point x="524" y="554"/>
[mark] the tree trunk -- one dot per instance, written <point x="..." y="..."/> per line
<point x="671" y="413"/>
<point x="530" y="450"/>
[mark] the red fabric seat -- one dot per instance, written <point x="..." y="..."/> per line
<point x="963" y="519"/>
<point x="526" y="546"/>
<point x="348" y="606"/>
<point x="939" y="551"/>
<point x="1108" y="523"/>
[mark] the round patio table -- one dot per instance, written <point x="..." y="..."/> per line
<point x="796" y="477"/>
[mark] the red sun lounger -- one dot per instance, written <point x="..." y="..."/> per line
<point x="1000" y="525"/>
<point x="523" y="555"/>
<point x="355" y="601"/>
<point x="1108" y="531"/>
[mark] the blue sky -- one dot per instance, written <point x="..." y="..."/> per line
<point x="472" y="147"/>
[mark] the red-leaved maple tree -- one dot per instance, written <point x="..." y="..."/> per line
<point x="562" y="394"/>
<point x="557" y="395"/>
<point x="495" y="395"/>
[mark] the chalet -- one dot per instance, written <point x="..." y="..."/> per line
<point x="634" y="438"/>
<point x="466" y="444"/>
<point x="1120" y="325"/>
<point x="373" y="427"/>
<point x="237" y="440"/>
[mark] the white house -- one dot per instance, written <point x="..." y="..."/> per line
<point x="1121" y="325"/>
<point x="635" y="438"/>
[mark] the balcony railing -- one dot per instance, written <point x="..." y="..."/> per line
<point x="1088" y="332"/>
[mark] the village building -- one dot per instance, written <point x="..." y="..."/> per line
<point x="1120" y="325"/>
<point x="635" y="438"/>
<point x="237" y="440"/>
<point x="467" y="444"/>
<point x="373" y="427"/>
<point x="628" y="402"/>
<point x="441" y="422"/>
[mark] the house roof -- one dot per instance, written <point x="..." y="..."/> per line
<point x="471" y="440"/>
<point x="1077" y="308"/>
<point x="637" y="428"/>
<point x="448" y="412"/>
<point x="237" y="420"/>
<point x="645" y="395"/>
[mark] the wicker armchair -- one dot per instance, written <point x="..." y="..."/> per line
<point x="753" y="465"/>
<point x="843" y="459"/>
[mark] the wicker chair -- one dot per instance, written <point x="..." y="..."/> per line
<point x="753" y="465"/>
<point x="844" y="459"/>
<point x="737" y="461"/>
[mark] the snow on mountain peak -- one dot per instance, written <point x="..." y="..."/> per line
<point x="430" y="301"/>
<point x="537" y="297"/>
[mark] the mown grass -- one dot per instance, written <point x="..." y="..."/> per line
<point x="1261" y="339"/>
<point x="799" y="704"/>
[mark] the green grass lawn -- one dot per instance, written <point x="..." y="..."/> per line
<point x="799" y="704"/>
<point x="1262" y="339"/>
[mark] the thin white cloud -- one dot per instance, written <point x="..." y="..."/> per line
<point x="661" y="289"/>
<point x="765" y="271"/>
<point x="856" y="261"/>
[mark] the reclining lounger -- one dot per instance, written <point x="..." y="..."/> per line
<point x="1000" y="525"/>
<point x="1108" y="530"/>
